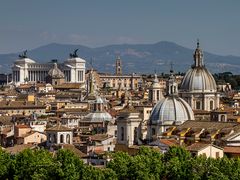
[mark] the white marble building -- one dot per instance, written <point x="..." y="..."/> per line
<point x="27" y="70"/>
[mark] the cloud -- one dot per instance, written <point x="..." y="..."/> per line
<point x="125" y="40"/>
<point x="79" y="39"/>
<point x="48" y="36"/>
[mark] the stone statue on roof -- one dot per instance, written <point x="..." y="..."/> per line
<point x="74" y="54"/>
<point x="23" y="55"/>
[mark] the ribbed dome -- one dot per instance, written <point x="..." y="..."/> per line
<point x="171" y="110"/>
<point x="98" y="117"/>
<point x="55" y="72"/>
<point x="198" y="79"/>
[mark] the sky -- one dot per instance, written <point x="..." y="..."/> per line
<point x="28" y="24"/>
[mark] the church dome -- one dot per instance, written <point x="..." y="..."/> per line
<point x="171" y="110"/>
<point x="198" y="78"/>
<point x="55" y="72"/>
<point x="98" y="117"/>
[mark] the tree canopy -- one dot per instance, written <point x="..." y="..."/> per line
<point x="149" y="163"/>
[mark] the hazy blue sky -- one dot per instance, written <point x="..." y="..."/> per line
<point x="27" y="24"/>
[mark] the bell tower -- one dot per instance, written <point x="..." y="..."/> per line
<point x="118" y="66"/>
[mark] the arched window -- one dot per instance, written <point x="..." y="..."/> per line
<point x="122" y="133"/>
<point x="135" y="135"/>
<point x="54" y="138"/>
<point x="211" y="105"/>
<point x="222" y="118"/>
<point x="61" y="138"/>
<point x="68" y="138"/>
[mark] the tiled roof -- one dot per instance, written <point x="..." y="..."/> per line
<point x="73" y="149"/>
<point x="99" y="137"/>
<point x="59" y="128"/>
<point x="18" y="148"/>
<point x="20" y="105"/>
<point x="232" y="149"/>
<point x="197" y="146"/>
<point x="22" y="126"/>
<point x="169" y="142"/>
<point x="207" y="125"/>
<point x="5" y="120"/>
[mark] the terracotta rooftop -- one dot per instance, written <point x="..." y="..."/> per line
<point x="20" y="105"/>
<point x="22" y="126"/>
<point x="232" y="149"/>
<point x="73" y="149"/>
<point x="68" y="86"/>
<point x="197" y="146"/>
<point x="99" y="137"/>
<point x="5" y="120"/>
<point x="18" y="148"/>
<point x="59" y="128"/>
<point x="207" y="124"/>
<point x="169" y="142"/>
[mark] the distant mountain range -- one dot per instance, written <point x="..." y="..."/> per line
<point x="137" y="58"/>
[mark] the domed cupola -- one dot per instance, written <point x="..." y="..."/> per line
<point x="198" y="86"/>
<point x="198" y="78"/>
<point x="170" y="111"/>
<point x="55" y="76"/>
<point x="55" y="72"/>
<point x="155" y="91"/>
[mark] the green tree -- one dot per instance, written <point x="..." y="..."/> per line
<point x="70" y="166"/>
<point x="34" y="164"/>
<point x="177" y="163"/>
<point x="120" y="164"/>
<point x="5" y="164"/>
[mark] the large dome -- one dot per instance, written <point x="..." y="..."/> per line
<point x="198" y="79"/>
<point x="171" y="110"/>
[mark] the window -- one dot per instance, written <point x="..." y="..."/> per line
<point x="211" y="105"/>
<point x="135" y="135"/>
<point x="217" y="155"/>
<point x="61" y="138"/>
<point x="54" y="138"/>
<point x="122" y="133"/>
<point x="68" y="139"/>
<point x="198" y="105"/>
<point x="223" y="118"/>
